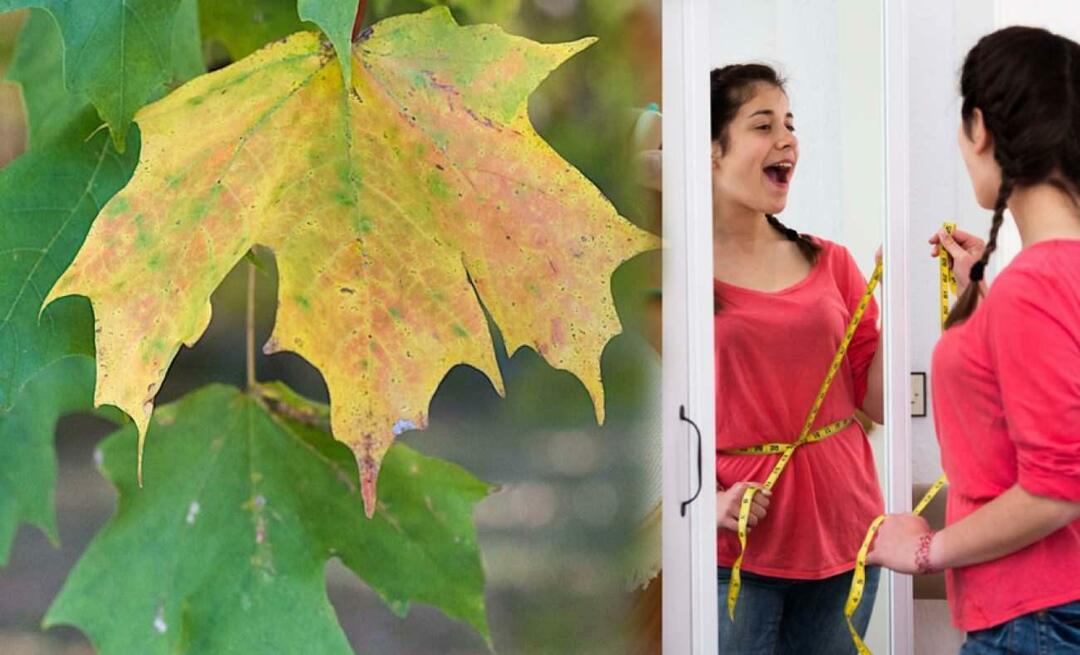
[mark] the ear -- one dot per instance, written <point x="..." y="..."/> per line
<point x="982" y="141"/>
<point x="717" y="154"/>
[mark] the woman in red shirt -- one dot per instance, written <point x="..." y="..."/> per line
<point x="783" y="302"/>
<point x="1006" y="372"/>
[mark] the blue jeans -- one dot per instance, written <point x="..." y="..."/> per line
<point x="1052" y="631"/>
<point x="778" y="616"/>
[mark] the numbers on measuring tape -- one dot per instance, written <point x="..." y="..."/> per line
<point x="948" y="279"/>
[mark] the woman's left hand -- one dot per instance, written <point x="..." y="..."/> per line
<point x="897" y="541"/>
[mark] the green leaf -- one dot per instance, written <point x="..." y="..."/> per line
<point x="478" y="11"/>
<point x="48" y="198"/>
<point x="38" y="66"/>
<point x="187" y="58"/>
<point x="223" y="550"/>
<point x="335" y="18"/>
<point x="116" y="52"/>
<point x="244" y="26"/>
<point x="28" y="473"/>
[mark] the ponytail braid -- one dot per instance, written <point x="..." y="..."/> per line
<point x="967" y="302"/>
<point x="806" y="245"/>
<point x="1026" y="83"/>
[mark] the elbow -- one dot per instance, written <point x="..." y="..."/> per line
<point x="1071" y="512"/>
<point x="874" y="408"/>
<point x="1057" y="511"/>
<point x="1063" y="513"/>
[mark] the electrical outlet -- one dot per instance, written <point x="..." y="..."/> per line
<point x="918" y="394"/>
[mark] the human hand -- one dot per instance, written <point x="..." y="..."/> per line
<point x="964" y="248"/>
<point x="647" y="157"/>
<point x="897" y="541"/>
<point x="728" y="501"/>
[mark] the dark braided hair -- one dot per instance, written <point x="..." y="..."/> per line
<point x="731" y="87"/>
<point x="1026" y="83"/>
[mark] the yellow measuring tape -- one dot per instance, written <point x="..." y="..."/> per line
<point x="787" y="449"/>
<point x="948" y="280"/>
<point x="858" y="579"/>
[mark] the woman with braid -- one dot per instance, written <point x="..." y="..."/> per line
<point x="1006" y="372"/>
<point x="783" y="300"/>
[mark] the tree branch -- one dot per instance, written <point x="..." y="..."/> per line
<point x="250" y="328"/>
<point x="359" y="18"/>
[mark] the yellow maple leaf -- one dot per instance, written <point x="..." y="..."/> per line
<point x="381" y="202"/>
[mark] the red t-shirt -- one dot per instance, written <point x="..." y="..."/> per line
<point x="1006" y="393"/>
<point x="772" y="353"/>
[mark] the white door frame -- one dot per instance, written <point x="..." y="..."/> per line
<point x="896" y="321"/>
<point x="689" y="540"/>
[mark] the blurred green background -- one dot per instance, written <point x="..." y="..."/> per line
<point x="555" y="536"/>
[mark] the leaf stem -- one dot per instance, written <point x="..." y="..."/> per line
<point x="359" y="18"/>
<point x="250" y="328"/>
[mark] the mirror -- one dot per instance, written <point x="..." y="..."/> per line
<point x="782" y="309"/>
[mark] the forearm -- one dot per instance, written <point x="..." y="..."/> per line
<point x="1012" y="521"/>
<point x="874" y="401"/>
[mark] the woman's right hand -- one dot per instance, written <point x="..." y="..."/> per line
<point x="964" y="248"/>
<point x="647" y="157"/>
<point x="727" y="505"/>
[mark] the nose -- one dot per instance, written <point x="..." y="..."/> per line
<point x="787" y="141"/>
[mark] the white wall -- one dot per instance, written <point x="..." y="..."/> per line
<point x="830" y="53"/>
<point x="940" y="34"/>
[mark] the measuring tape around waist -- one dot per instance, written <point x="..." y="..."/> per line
<point x="784" y="447"/>
<point x="788" y="449"/>
<point x="947" y="284"/>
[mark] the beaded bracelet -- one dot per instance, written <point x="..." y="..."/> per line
<point x="922" y="554"/>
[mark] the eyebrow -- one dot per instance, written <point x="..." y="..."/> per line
<point x="769" y="112"/>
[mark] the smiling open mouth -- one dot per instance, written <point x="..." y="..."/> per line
<point x="779" y="173"/>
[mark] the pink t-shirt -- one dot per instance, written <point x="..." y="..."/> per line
<point x="772" y="353"/>
<point x="1006" y="394"/>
